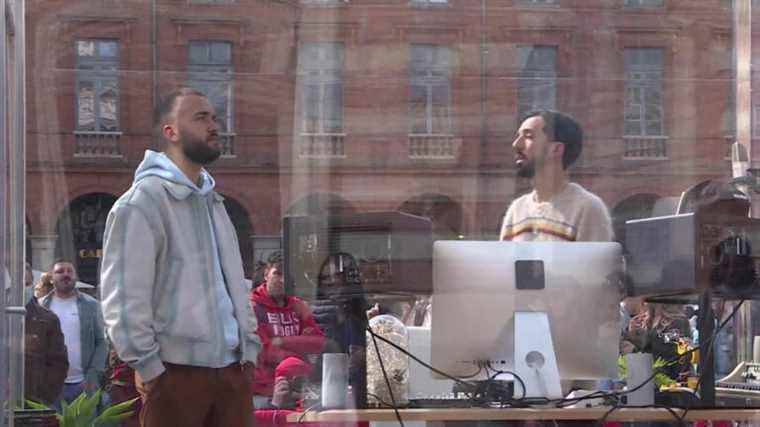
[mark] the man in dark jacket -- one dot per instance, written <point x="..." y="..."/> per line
<point x="45" y="359"/>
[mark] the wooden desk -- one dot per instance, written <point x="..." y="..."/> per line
<point x="482" y="414"/>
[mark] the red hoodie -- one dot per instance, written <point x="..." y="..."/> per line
<point x="293" y="323"/>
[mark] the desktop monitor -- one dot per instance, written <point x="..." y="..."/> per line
<point x="478" y="287"/>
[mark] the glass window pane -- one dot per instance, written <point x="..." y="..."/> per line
<point x="85" y="48"/>
<point x="198" y="52"/>
<point x="108" y="105"/>
<point x="418" y="108"/>
<point x="86" y="106"/>
<point x="108" y="48"/>
<point x="221" y="53"/>
<point x="334" y="108"/>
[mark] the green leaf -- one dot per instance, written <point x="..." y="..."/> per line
<point x="68" y="418"/>
<point x="35" y="405"/>
<point x="90" y="405"/>
<point x="113" y="421"/>
<point x="116" y="410"/>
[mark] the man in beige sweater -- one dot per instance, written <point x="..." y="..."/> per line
<point x="546" y="145"/>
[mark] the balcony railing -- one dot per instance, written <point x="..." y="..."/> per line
<point x="97" y="144"/>
<point x="321" y="145"/>
<point x="433" y="147"/>
<point x="646" y="147"/>
<point x="227" y="140"/>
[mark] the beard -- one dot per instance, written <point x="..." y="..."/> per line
<point x="198" y="150"/>
<point x="65" y="287"/>
<point x="527" y="169"/>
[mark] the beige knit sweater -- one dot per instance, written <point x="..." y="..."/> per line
<point x="573" y="215"/>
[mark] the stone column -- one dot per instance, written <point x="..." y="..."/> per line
<point x="43" y="251"/>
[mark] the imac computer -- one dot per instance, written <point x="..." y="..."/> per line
<point x="548" y="311"/>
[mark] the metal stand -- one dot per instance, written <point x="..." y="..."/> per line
<point x="706" y="327"/>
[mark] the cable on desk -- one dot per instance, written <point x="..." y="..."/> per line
<point x="306" y="411"/>
<point x="561" y="402"/>
<point x="382" y="402"/>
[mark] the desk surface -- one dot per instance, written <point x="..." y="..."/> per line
<point x="482" y="414"/>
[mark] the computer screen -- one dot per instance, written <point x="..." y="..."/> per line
<point x="478" y="287"/>
<point x="393" y="250"/>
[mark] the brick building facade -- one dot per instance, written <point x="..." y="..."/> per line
<point x="366" y="105"/>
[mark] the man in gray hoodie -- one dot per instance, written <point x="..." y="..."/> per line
<point x="174" y="301"/>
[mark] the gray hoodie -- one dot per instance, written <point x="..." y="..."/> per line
<point x="159" y="164"/>
<point x="172" y="281"/>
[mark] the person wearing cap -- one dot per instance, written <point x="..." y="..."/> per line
<point x="546" y="145"/>
<point x="287" y="398"/>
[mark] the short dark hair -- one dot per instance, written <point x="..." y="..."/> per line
<point x="275" y="258"/>
<point x="61" y="261"/>
<point x="563" y="128"/>
<point x="167" y="102"/>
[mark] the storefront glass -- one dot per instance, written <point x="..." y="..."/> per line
<point x="377" y="127"/>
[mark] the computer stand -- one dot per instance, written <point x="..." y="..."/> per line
<point x="535" y="358"/>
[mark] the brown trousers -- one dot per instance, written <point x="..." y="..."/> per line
<point x="192" y="396"/>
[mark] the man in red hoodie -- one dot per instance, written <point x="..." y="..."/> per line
<point x="285" y="325"/>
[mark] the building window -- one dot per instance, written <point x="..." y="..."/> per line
<point x="429" y="2"/>
<point x="538" y="2"/>
<point x="321" y="88"/>
<point x="210" y="71"/>
<point x="755" y="120"/>
<point x="430" y="89"/>
<point x="644" y="112"/>
<point x="644" y="3"/>
<point x="538" y="79"/>
<point x="97" y="85"/>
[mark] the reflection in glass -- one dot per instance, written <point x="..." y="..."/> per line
<point x="97" y="100"/>
<point x="86" y="104"/>
<point x="108" y="107"/>
<point x="86" y="47"/>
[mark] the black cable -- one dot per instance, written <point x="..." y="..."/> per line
<point x="382" y="402"/>
<point x="517" y="377"/>
<point x="562" y="401"/>
<point x="680" y="419"/>
<point x="707" y="343"/>
<point x="416" y="359"/>
<point x="385" y="375"/>
<point x="306" y="411"/>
